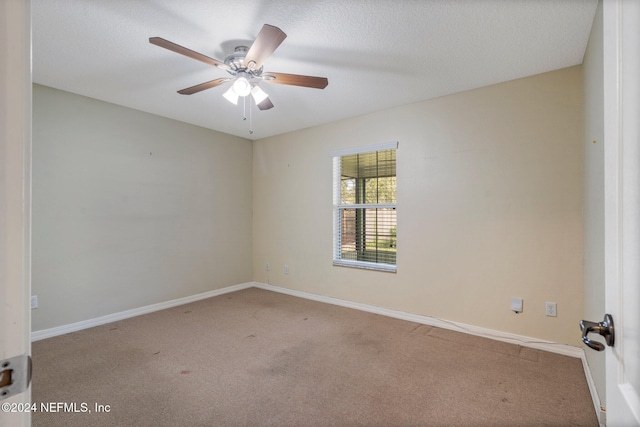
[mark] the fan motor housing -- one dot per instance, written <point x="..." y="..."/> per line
<point x="236" y="62"/>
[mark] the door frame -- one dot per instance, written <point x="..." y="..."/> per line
<point x="15" y="191"/>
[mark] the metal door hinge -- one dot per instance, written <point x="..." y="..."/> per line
<point x="15" y="375"/>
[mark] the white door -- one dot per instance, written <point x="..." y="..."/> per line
<point x="15" y="209"/>
<point x="622" y="207"/>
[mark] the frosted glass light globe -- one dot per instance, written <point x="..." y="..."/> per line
<point x="241" y="86"/>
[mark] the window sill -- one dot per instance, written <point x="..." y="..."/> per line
<point x="388" y="268"/>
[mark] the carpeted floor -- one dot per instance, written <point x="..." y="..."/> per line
<point x="259" y="358"/>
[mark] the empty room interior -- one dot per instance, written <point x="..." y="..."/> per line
<point x="471" y="134"/>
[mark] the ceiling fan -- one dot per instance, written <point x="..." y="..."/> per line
<point x="245" y="67"/>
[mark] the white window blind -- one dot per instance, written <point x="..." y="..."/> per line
<point x="364" y="207"/>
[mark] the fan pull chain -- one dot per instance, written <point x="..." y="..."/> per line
<point x="250" y="121"/>
<point x="244" y="114"/>
<point x="244" y="108"/>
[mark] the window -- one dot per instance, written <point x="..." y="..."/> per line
<point x="364" y="207"/>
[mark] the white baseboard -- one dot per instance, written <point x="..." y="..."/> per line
<point x="600" y="411"/>
<point x="564" y="349"/>
<point x="525" y="341"/>
<point x="90" y="323"/>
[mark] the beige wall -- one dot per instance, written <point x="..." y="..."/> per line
<point x="489" y="206"/>
<point x="132" y="209"/>
<point x="594" y="310"/>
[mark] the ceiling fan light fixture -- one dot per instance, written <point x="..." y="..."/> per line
<point x="241" y="86"/>
<point x="245" y="67"/>
<point x="231" y="96"/>
<point x="258" y="94"/>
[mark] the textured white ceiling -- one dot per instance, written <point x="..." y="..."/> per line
<point x="376" y="53"/>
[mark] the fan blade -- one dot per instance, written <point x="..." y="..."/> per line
<point x="159" y="41"/>
<point x="265" y="105"/>
<point x="296" y="80"/>
<point x="202" y="86"/>
<point x="268" y="40"/>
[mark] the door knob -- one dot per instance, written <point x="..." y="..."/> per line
<point x="604" y="328"/>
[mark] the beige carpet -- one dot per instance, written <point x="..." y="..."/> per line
<point x="259" y="358"/>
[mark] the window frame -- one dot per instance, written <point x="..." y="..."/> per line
<point x="338" y="207"/>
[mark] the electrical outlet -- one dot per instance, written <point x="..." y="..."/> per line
<point x="34" y="301"/>
<point x="286" y="269"/>
<point x="550" y="309"/>
<point x="266" y="266"/>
